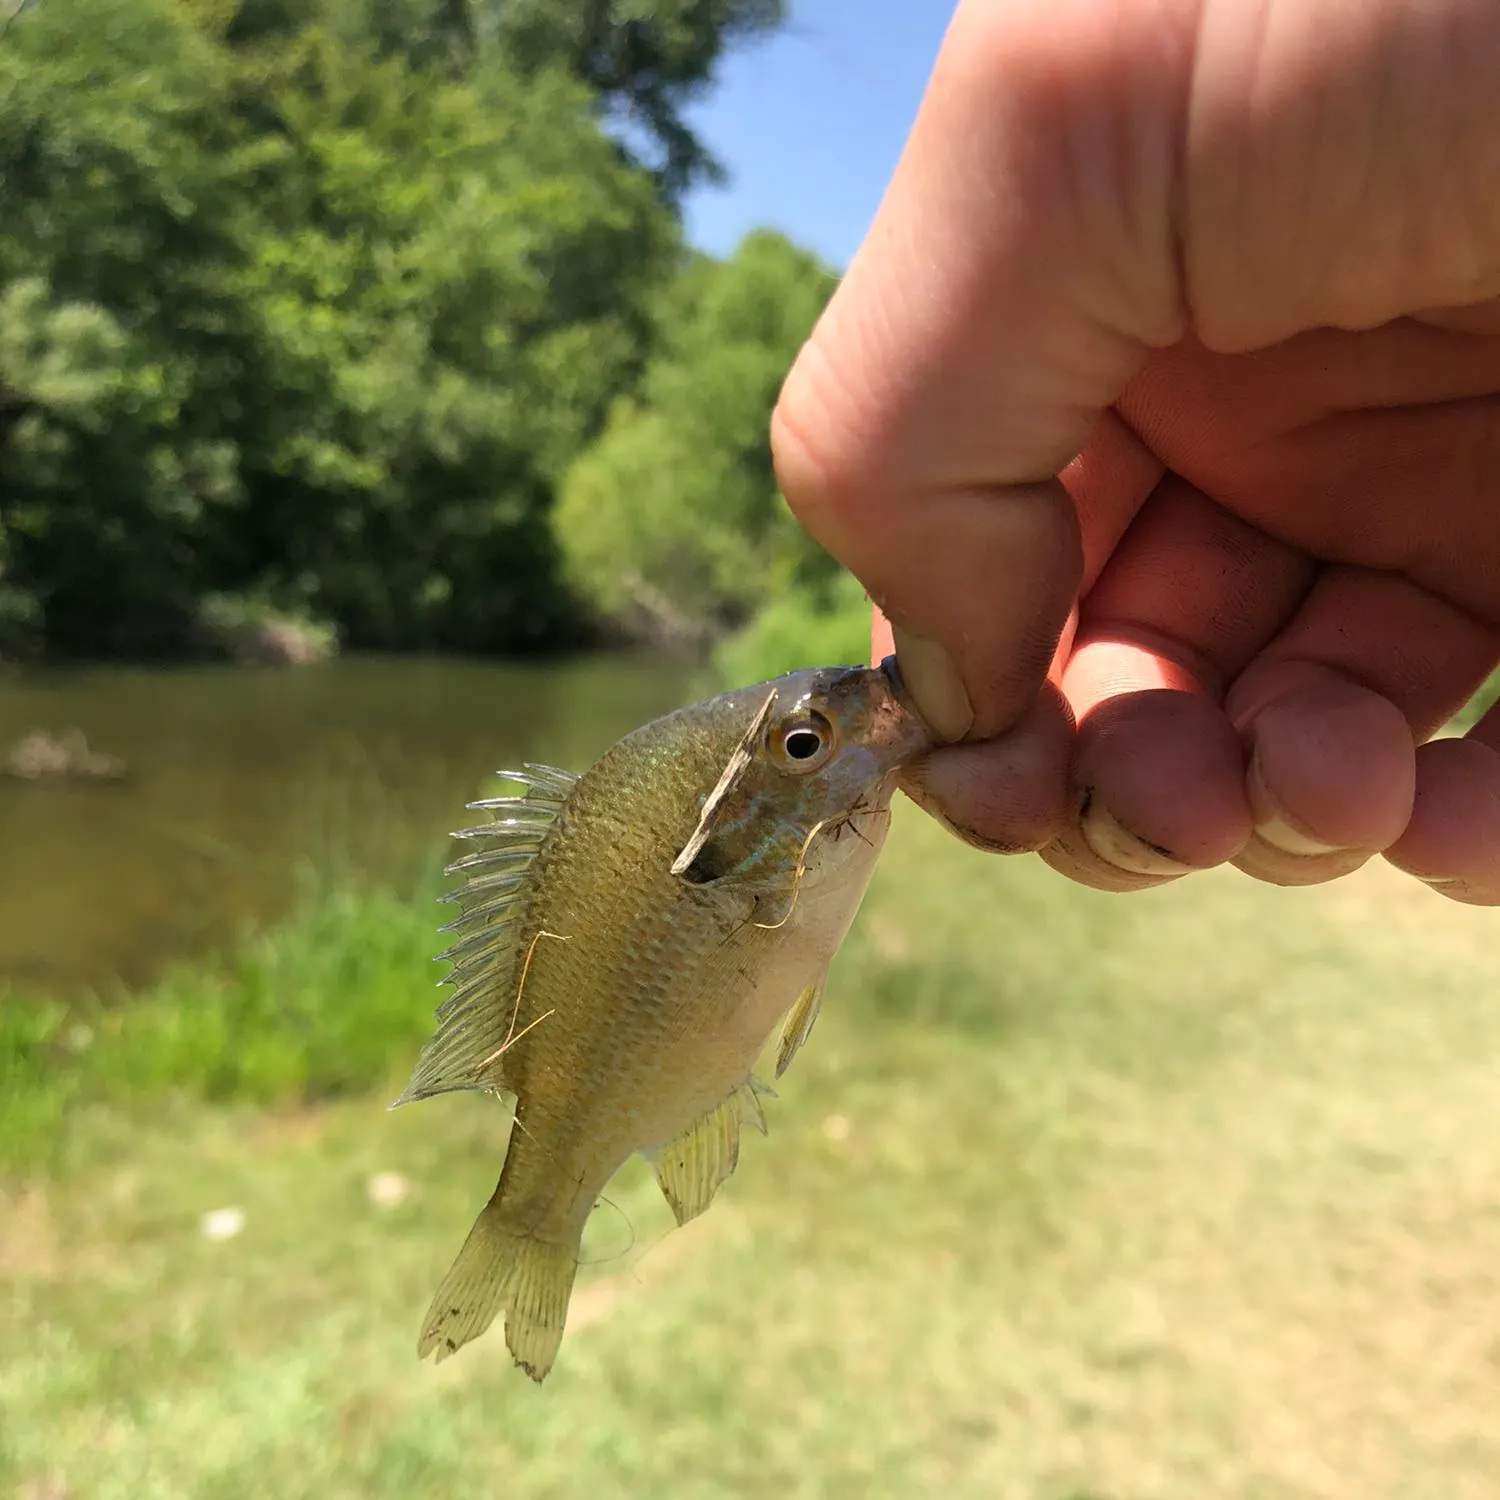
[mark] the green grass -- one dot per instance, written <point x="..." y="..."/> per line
<point x="1070" y="1197"/>
<point x="1479" y="705"/>
<point x="310" y="1010"/>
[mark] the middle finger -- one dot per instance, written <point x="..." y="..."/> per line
<point x="1189" y="597"/>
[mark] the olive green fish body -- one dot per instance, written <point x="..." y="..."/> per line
<point x="624" y="1005"/>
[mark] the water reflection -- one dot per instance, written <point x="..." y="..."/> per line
<point x="240" y="778"/>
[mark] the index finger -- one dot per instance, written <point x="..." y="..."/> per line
<point x="1018" y="270"/>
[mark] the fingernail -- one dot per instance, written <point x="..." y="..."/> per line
<point x="933" y="681"/>
<point x="1117" y="846"/>
<point x="1272" y="824"/>
<point x="1438" y="879"/>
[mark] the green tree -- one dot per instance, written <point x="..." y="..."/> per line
<point x="284" y="314"/>
<point x="115" y="224"/>
<point x="672" y="524"/>
<point x="646" y="60"/>
<point x="642" y="61"/>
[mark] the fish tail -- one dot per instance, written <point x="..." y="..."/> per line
<point x="498" y="1267"/>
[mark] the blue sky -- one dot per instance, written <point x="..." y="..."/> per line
<point x="811" y="123"/>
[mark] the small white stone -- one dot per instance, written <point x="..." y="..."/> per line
<point x="222" y="1223"/>
<point x="387" y="1189"/>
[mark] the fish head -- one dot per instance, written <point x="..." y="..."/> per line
<point x="819" y="755"/>
<point x="835" y="733"/>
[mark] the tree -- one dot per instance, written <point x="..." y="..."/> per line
<point x="286" y="315"/>
<point x="672" y="524"/>
<point x="316" y="303"/>
<point x="644" y="59"/>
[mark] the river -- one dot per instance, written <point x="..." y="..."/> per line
<point x="241" y="780"/>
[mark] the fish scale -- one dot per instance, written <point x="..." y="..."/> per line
<point x="625" y="949"/>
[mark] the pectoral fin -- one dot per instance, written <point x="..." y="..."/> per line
<point x="799" y="1025"/>
<point x="690" y="1168"/>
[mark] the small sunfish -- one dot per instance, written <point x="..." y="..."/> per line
<point x="629" y="940"/>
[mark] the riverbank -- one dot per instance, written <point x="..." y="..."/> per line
<point x="321" y="1006"/>
<point x="1070" y="1195"/>
<point x="241" y="781"/>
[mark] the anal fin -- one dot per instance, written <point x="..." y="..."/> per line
<point x="531" y="1279"/>
<point x="799" y="1025"/>
<point x="691" y="1168"/>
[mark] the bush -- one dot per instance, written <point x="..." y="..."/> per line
<point x="671" y="525"/>
<point x="334" y="1000"/>
<point x="255" y="632"/>
<point x="813" y="625"/>
<point x="285" y="315"/>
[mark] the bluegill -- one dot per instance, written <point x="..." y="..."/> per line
<point x="628" y="942"/>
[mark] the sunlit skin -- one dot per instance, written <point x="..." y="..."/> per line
<point x="1231" y="269"/>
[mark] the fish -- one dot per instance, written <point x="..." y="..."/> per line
<point x="627" y="944"/>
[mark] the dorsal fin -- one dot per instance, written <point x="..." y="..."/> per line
<point x="473" y="1020"/>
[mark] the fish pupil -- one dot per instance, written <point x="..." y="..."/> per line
<point x="803" y="744"/>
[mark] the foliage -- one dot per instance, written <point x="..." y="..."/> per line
<point x="672" y="522"/>
<point x="307" y="303"/>
<point x="1477" y="706"/>
<point x="254" y="631"/>
<point x="333" y="1000"/>
<point x="641" y="61"/>
<point x="645" y="59"/>
<point x="826" y="624"/>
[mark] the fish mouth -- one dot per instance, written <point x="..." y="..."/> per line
<point x="890" y="669"/>
<point x="898" y="730"/>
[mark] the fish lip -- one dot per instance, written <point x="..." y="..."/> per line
<point x="899" y="727"/>
<point x="892" y="670"/>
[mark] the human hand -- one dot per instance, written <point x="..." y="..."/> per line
<point x="1231" y="267"/>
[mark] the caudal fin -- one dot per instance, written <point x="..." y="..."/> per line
<point x="530" y="1278"/>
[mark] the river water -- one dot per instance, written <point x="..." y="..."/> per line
<point x="240" y="780"/>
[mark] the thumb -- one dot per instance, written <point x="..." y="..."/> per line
<point x="1017" y="273"/>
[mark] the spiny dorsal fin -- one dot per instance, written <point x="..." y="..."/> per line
<point x="691" y="1168"/>
<point x="799" y="1025"/>
<point x="474" y="1020"/>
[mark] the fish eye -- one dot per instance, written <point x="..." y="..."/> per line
<point x="802" y="741"/>
<point x="802" y="744"/>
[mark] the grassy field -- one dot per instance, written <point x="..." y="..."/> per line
<point x="1070" y="1197"/>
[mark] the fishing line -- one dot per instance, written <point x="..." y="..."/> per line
<point x="605" y="1260"/>
<point x="515" y="1036"/>
<point x="796" y="879"/>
